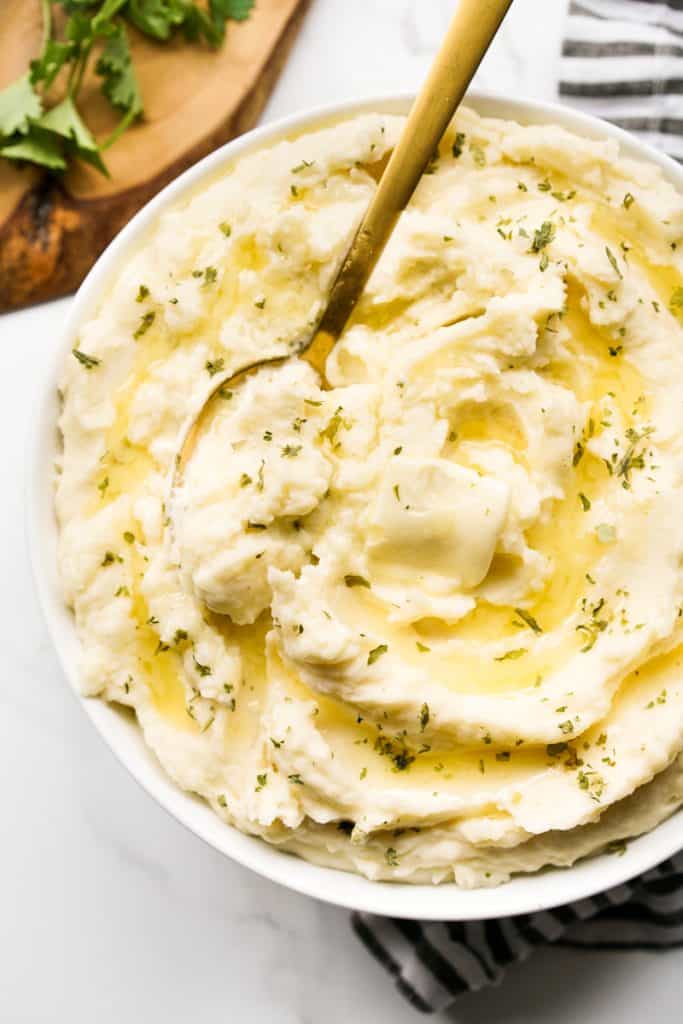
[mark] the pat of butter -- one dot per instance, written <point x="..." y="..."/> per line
<point x="436" y="518"/>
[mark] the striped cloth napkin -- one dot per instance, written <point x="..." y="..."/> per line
<point x="621" y="60"/>
<point x="434" y="963"/>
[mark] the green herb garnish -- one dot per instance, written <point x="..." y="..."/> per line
<point x="458" y="144"/>
<point x="543" y="236"/>
<point x="146" y="321"/>
<point x="302" y="166"/>
<point x="529" y="620"/>
<point x="356" y="581"/>
<point x="613" y="260"/>
<point x="34" y="129"/>
<point x="214" y="366"/>
<point x="203" y="670"/>
<point x="376" y="653"/>
<point x="84" y="359"/>
<point x="518" y="652"/>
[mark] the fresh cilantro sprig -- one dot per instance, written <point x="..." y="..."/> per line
<point x="50" y="134"/>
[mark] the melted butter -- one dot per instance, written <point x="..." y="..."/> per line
<point x="658" y="676"/>
<point x="379" y="316"/>
<point x="161" y="670"/>
<point x="465" y="670"/>
<point x="222" y="301"/>
<point x="573" y="549"/>
<point x="657" y="681"/>
<point x="125" y="466"/>
<point x="571" y="546"/>
<point x="244" y="723"/>
<point x="563" y="536"/>
<point x="248" y="255"/>
<point x="491" y="423"/>
<point x="250" y="639"/>
<point x="287" y="304"/>
<point x="589" y="370"/>
<point x="380" y="756"/>
<point x="124" y="469"/>
<point x="662" y="278"/>
<point x="163" y="677"/>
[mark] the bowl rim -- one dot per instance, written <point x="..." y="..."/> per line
<point x="523" y="893"/>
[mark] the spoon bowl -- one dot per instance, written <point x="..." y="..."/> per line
<point x="469" y="36"/>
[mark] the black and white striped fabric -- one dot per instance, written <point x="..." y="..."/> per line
<point x="434" y="963"/>
<point x="623" y="60"/>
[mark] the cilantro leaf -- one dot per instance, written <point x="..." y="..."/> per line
<point x="107" y="11"/>
<point x="160" y="18"/>
<point x="65" y="121"/>
<point x="39" y="147"/>
<point x="198" y="25"/>
<point x="19" y="103"/>
<point x="115" y="67"/>
<point x="235" y="10"/>
<point x="224" y="10"/>
<point x="77" y="5"/>
<point x="157" y="18"/>
<point x="49" y="138"/>
<point x="51" y="61"/>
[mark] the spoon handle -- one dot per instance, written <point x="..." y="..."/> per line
<point x="469" y="35"/>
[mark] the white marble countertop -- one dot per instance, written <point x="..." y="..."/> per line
<point x="111" y="911"/>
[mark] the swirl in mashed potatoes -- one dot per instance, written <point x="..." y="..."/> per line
<point x="424" y="625"/>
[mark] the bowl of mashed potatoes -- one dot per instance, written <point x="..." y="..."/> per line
<point x="422" y="628"/>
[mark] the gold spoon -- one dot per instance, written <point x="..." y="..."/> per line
<point x="469" y="35"/>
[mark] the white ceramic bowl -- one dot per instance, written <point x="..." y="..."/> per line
<point x="446" y="902"/>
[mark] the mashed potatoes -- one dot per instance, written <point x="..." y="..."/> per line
<point x="424" y="625"/>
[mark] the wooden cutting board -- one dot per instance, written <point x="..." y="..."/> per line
<point x="52" y="228"/>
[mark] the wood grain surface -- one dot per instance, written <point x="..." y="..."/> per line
<point x="53" y="227"/>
